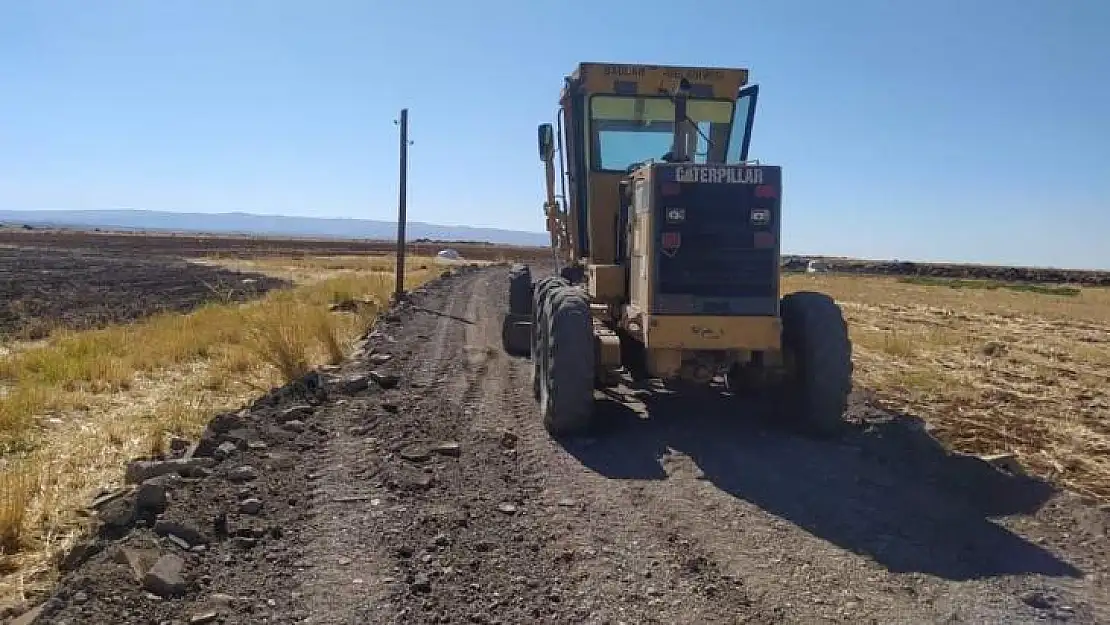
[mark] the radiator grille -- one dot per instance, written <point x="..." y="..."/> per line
<point x="721" y="253"/>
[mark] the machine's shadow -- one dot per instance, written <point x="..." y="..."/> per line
<point x="887" y="490"/>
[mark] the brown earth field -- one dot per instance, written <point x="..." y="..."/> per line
<point x="415" y="483"/>
<point x="46" y="289"/>
<point x="215" y="245"/>
<point x="234" y="246"/>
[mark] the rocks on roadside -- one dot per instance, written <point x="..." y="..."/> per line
<point x="295" y="425"/>
<point x="225" y="450"/>
<point x="385" y="380"/>
<point x="191" y="535"/>
<point x="250" y="505"/>
<point x="245" y="473"/>
<point x="419" y="453"/>
<point x="419" y="482"/>
<point x="421" y="583"/>
<point x="151" y="497"/>
<point x="167" y="577"/>
<point x="349" y="384"/>
<point x="508" y="440"/>
<point x="78" y="554"/>
<point x="416" y="453"/>
<point x="142" y="470"/>
<point x="379" y="358"/>
<point x="107" y="496"/>
<point x="138" y="560"/>
<point x="447" y="448"/>
<point x="228" y="421"/>
<point x="1039" y="600"/>
<point x="296" y="413"/>
<point x="117" y="514"/>
<point x="240" y="437"/>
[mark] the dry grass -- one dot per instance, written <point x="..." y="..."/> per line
<point x="76" y="406"/>
<point x="992" y="369"/>
<point x="314" y="268"/>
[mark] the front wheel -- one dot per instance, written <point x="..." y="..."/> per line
<point x="567" y="395"/>
<point x="818" y="353"/>
<point x="540" y="302"/>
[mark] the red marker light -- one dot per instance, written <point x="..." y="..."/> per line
<point x="764" y="240"/>
<point x="766" y="191"/>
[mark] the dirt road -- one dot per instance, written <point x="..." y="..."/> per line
<point x="443" y="500"/>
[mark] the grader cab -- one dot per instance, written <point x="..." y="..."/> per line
<point x="666" y="238"/>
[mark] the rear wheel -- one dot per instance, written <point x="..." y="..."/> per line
<point x="520" y="290"/>
<point x="515" y="335"/>
<point x="567" y="395"/>
<point x="819" y="361"/>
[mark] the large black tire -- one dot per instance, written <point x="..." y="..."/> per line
<point x="520" y="290"/>
<point x="539" y="329"/>
<point x="567" y="394"/>
<point x="819" y="354"/>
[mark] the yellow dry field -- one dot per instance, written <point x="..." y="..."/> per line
<point x="992" y="370"/>
<point x="75" y="407"/>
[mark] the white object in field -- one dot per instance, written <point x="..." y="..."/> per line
<point x="449" y="254"/>
<point x="816" y="266"/>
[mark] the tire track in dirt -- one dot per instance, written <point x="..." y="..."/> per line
<point x="430" y="357"/>
<point x="458" y="528"/>
<point x="350" y="581"/>
<point x="616" y="562"/>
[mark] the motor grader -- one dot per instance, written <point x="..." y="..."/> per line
<point x="667" y="241"/>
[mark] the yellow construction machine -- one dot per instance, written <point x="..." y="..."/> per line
<point x="667" y="238"/>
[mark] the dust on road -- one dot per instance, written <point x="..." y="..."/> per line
<point x="419" y="486"/>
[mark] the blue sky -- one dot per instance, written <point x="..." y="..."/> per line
<point x="945" y="130"/>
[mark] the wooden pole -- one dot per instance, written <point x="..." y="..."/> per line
<point x="401" y="207"/>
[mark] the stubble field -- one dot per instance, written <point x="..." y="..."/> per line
<point x="990" y="370"/>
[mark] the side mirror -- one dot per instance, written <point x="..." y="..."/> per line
<point x="546" y="141"/>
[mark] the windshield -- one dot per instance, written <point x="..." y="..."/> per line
<point x="630" y="129"/>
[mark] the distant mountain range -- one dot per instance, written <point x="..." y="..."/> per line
<point x="248" y="223"/>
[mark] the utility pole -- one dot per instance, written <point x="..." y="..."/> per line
<point x="402" y="208"/>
